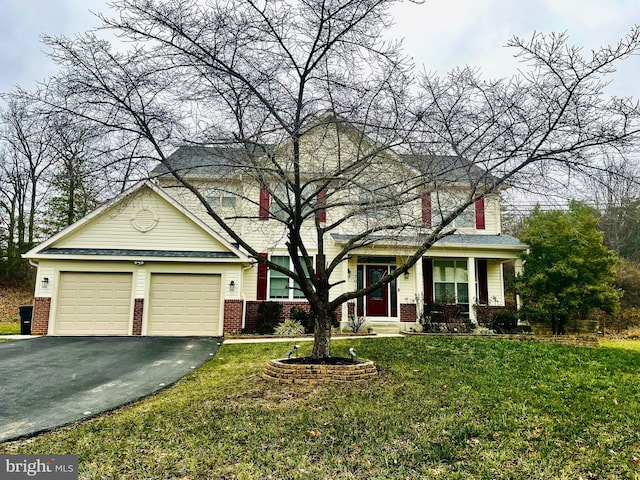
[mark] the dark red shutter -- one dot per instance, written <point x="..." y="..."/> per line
<point x="263" y="271"/>
<point x="359" y="286"/>
<point x="322" y="211"/>
<point x="265" y="199"/>
<point x="483" y="283"/>
<point x="480" y="225"/>
<point x="427" y="274"/>
<point x="426" y="209"/>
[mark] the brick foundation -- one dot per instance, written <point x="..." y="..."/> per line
<point x="138" y="311"/>
<point x="232" y="316"/>
<point x="251" y="318"/>
<point x="408" y="312"/>
<point x="40" y="318"/>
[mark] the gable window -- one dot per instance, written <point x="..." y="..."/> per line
<point x="224" y="197"/>
<point x="450" y="281"/>
<point x="280" y="285"/>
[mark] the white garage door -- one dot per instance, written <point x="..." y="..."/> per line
<point x="184" y="304"/>
<point x="93" y="304"/>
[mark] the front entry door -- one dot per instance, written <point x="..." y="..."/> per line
<point x="378" y="300"/>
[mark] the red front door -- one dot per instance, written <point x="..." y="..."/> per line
<point x="377" y="301"/>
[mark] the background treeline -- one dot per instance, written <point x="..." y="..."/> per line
<point x="54" y="169"/>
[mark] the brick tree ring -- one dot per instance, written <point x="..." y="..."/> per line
<point x="286" y="371"/>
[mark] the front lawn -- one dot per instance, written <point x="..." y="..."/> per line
<point x="442" y="407"/>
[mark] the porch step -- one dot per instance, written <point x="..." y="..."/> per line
<point x="384" y="327"/>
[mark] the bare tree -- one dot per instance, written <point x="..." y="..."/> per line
<point x="308" y="101"/>
<point x="26" y="138"/>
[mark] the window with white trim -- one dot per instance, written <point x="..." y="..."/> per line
<point x="450" y="281"/>
<point x="443" y="203"/>
<point x="280" y="285"/>
<point x="223" y="197"/>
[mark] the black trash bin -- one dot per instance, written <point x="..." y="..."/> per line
<point x="26" y="312"/>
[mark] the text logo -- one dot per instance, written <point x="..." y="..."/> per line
<point x="50" y="467"/>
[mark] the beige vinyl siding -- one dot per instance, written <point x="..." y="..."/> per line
<point x="93" y="303"/>
<point x="494" y="282"/>
<point x="184" y="304"/>
<point x="114" y="228"/>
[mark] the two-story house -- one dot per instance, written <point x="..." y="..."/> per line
<point x="153" y="262"/>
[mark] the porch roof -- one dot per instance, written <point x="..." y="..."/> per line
<point x="499" y="240"/>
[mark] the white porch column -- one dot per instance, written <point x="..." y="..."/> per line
<point x="471" y="272"/>
<point x="517" y="267"/>
<point x="419" y="288"/>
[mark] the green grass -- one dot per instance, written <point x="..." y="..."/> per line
<point x="454" y="408"/>
<point x="12" y="328"/>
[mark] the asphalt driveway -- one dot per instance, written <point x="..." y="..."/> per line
<point x="47" y="382"/>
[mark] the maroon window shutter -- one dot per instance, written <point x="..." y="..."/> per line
<point x="427" y="273"/>
<point x="265" y="200"/>
<point x="322" y="211"/>
<point x="360" y="285"/>
<point x="426" y="209"/>
<point x="262" y="279"/>
<point x="480" y="225"/>
<point x="483" y="283"/>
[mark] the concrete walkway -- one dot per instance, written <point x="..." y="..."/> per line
<point x="308" y="339"/>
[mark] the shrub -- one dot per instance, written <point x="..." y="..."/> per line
<point x="435" y="324"/>
<point x="303" y="317"/>
<point x="290" y="327"/>
<point x="355" y="323"/>
<point x="625" y="319"/>
<point x="268" y="314"/>
<point x="504" y="321"/>
<point x="479" y="330"/>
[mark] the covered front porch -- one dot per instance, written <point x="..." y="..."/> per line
<point x="452" y="280"/>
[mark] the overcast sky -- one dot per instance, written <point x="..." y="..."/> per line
<point x="438" y="34"/>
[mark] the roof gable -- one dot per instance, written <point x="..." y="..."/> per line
<point x="143" y="220"/>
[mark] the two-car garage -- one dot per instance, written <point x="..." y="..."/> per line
<point x="141" y="264"/>
<point x="101" y="303"/>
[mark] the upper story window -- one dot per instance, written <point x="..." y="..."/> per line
<point x="443" y="203"/>
<point x="271" y="203"/>
<point x="437" y="206"/>
<point x="223" y="197"/>
<point x="377" y="200"/>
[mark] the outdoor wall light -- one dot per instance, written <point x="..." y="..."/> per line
<point x="406" y="275"/>
<point x="232" y="286"/>
<point x="45" y="282"/>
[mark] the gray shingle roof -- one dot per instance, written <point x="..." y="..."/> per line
<point x="443" y="169"/>
<point x="455" y="240"/>
<point x="125" y="252"/>
<point x="200" y="160"/>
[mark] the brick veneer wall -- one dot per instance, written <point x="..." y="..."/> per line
<point x="232" y="316"/>
<point x="138" y="310"/>
<point x="408" y="312"/>
<point x="252" y="313"/>
<point x="40" y="318"/>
